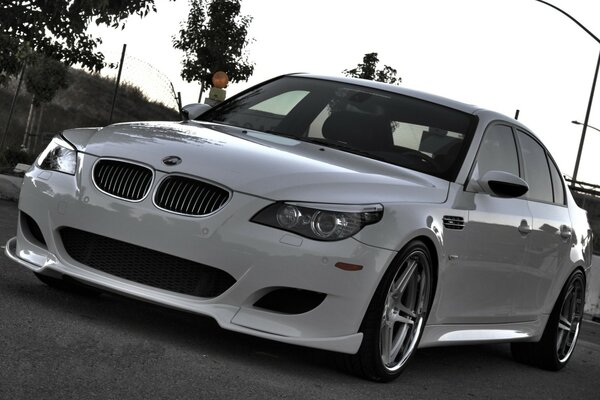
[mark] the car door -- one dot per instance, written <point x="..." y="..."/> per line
<point x="549" y="242"/>
<point x="479" y="281"/>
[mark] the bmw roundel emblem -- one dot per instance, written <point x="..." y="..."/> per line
<point x="171" y="160"/>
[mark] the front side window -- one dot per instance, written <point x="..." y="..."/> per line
<point x="537" y="172"/>
<point x="387" y="126"/>
<point x="498" y="152"/>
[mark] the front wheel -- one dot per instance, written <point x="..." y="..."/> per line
<point x="555" y="348"/>
<point x="396" y="317"/>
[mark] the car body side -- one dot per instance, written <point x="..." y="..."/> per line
<point x="541" y="286"/>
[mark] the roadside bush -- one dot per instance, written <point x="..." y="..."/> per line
<point x="9" y="158"/>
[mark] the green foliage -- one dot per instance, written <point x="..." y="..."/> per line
<point x="45" y="76"/>
<point x="213" y="39"/>
<point x="10" y="59"/>
<point x="10" y="158"/>
<point x="58" y="29"/>
<point x="368" y="70"/>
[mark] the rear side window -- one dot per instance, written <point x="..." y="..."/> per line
<point x="537" y="172"/>
<point x="557" y="184"/>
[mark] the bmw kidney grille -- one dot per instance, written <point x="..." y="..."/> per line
<point x="122" y="179"/>
<point x="188" y="196"/>
<point x="175" y="193"/>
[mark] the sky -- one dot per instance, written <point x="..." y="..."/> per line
<point x="501" y="55"/>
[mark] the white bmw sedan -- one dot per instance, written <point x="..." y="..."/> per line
<point x="339" y="214"/>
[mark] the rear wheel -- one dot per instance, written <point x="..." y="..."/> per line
<point x="396" y="316"/>
<point x="68" y="285"/>
<point x="555" y="348"/>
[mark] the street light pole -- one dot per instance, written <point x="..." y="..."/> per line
<point x="585" y="122"/>
<point x="589" y="107"/>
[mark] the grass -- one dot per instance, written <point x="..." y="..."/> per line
<point x="86" y="102"/>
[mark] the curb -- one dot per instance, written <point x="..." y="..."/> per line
<point x="10" y="186"/>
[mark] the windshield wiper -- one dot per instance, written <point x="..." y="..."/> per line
<point x="340" y="146"/>
<point x="322" y="142"/>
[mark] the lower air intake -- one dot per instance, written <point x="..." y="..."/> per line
<point x="145" y="266"/>
<point x="33" y="228"/>
<point x="290" y="300"/>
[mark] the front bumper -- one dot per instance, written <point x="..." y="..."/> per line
<point x="260" y="259"/>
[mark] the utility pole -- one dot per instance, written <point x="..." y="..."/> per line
<point x="112" y="108"/>
<point x="589" y="107"/>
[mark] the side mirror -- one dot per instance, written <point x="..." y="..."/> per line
<point x="194" y="110"/>
<point x="503" y="184"/>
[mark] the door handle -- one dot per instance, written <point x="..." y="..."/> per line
<point x="565" y="232"/>
<point x="524" y="228"/>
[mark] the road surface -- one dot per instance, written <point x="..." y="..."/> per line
<point x="57" y="345"/>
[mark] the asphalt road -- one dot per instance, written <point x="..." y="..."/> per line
<point x="57" y="345"/>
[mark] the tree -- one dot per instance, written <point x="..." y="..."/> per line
<point x="213" y="39"/>
<point x="57" y="29"/>
<point x="368" y="70"/>
<point x="44" y="77"/>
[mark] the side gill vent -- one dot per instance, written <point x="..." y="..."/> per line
<point x="452" y="222"/>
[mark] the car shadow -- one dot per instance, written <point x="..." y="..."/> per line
<point x="202" y="335"/>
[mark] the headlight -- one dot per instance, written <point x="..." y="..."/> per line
<point x="58" y="156"/>
<point x="319" y="221"/>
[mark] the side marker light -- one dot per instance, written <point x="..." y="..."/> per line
<point x="348" y="267"/>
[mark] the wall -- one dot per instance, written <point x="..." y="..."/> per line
<point x="592" y="298"/>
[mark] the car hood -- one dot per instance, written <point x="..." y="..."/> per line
<point x="262" y="164"/>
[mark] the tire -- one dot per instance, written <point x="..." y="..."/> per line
<point x="395" y="319"/>
<point x="558" y="341"/>
<point x="68" y="285"/>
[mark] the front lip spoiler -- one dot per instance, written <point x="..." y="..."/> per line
<point x="344" y="344"/>
<point x="11" y="252"/>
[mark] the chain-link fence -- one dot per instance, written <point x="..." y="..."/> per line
<point x="144" y="94"/>
<point x="155" y="85"/>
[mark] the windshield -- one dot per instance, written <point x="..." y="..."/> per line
<point x="397" y="129"/>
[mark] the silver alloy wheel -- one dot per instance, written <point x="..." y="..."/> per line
<point x="570" y="317"/>
<point x="404" y="311"/>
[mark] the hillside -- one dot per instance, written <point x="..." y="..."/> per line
<point x="86" y="102"/>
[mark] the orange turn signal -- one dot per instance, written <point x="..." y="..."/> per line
<point x="348" y="267"/>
